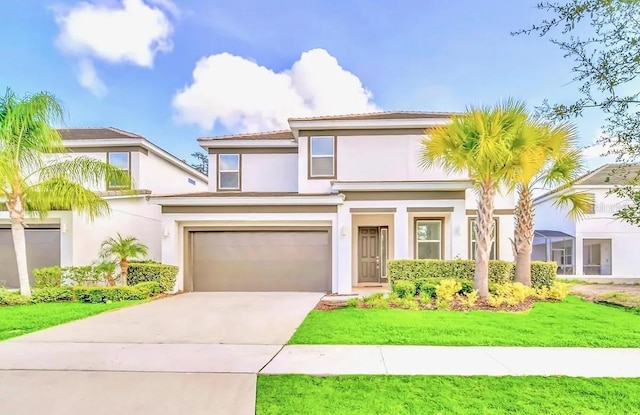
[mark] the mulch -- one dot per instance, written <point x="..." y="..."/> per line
<point x="455" y="306"/>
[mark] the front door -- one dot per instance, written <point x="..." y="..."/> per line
<point x="368" y="255"/>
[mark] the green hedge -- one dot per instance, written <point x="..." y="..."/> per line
<point x="165" y="275"/>
<point x="543" y="274"/>
<point x="53" y="294"/>
<point x="140" y="291"/>
<point x="85" y="275"/>
<point x="48" y="277"/>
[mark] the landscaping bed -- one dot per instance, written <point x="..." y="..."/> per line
<point x="346" y="395"/>
<point x="572" y="322"/>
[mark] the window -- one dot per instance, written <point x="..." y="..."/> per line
<point x="428" y="239"/>
<point x="493" y="252"/>
<point x="228" y="171"/>
<point x="123" y="162"/>
<point x="591" y="208"/>
<point x="322" y="157"/>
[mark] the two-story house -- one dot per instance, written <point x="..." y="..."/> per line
<point x="597" y="245"/>
<point x="68" y="238"/>
<point x="322" y="206"/>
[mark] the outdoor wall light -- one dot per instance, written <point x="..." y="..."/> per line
<point x="63" y="228"/>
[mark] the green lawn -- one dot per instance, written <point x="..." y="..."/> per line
<point x="22" y="319"/>
<point x="574" y="322"/>
<point x="297" y="394"/>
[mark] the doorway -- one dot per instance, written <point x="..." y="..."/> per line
<point x="373" y="253"/>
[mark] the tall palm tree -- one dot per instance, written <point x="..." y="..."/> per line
<point x="36" y="176"/>
<point x="483" y="143"/>
<point x="122" y="249"/>
<point x="551" y="159"/>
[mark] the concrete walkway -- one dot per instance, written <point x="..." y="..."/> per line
<point x="195" y="353"/>
<point x="467" y="361"/>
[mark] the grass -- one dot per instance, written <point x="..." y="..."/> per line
<point x="574" y="322"/>
<point x="342" y="395"/>
<point x="23" y="319"/>
<point x="624" y="299"/>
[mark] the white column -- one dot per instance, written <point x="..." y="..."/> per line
<point x="579" y="250"/>
<point x="342" y="280"/>
<point x="459" y="232"/>
<point x="401" y="230"/>
<point x="172" y="250"/>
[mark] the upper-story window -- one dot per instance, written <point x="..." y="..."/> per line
<point x="322" y="157"/>
<point x="228" y="171"/>
<point x="121" y="160"/>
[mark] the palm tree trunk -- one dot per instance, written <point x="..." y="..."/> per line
<point x="124" y="267"/>
<point x="16" y="213"/>
<point x="484" y="229"/>
<point x="523" y="236"/>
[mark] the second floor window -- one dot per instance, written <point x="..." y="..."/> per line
<point x="322" y="157"/>
<point x="229" y="171"/>
<point x="121" y="160"/>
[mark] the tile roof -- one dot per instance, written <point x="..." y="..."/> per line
<point x="95" y="133"/>
<point x="268" y="135"/>
<point x="382" y="115"/>
<point x="613" y="174"/>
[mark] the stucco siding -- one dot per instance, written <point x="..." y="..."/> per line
<point x="162" y="177"/>
<point x="269" y="172"/>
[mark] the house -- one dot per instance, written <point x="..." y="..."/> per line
<point x="67" y="238"/>
<point x="322" y="206"/>
<point x="598" y="245"/>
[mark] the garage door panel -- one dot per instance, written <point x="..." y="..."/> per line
<point x="261" y="261"/>
<point x="43" y="250"/>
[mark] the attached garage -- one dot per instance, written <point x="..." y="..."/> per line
<point x="260" y="260"/>
<point x="43" y="250"/>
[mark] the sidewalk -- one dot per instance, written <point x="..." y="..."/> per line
<point x="451" y="360"/>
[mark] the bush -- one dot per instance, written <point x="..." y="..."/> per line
<point x="165" y="275"/>
<point x="13" y="298"/>
<point x="500" y="272"/>
<point x="404" y="289"/>
<point x="53" y="295"/>
<point x="407" y="303"/>
<point x="48" y="277"/>
<point x="425" y="297"/>
<point x="109" y="294"/>
<point x="446" y="290"/>
<point x="468" y="299"/>
<point x="86" y="275"/>
<point x="353" y="302"/>
<point x="558" y="291"/>
<point x="510" y="293"/>
<point x="149" y="288"/>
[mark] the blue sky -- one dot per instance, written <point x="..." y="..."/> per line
<point x="130" y="63"/>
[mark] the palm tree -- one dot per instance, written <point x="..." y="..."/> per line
<point x="550" y="160"/>
<point x="122" y="249"/>
<point x="483" y="143"/>
<point x="36" y="176"/>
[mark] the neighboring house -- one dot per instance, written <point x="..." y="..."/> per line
<point x="67" y="238"/>
<point x="597" y="245"/>
<point x="322" y="206"/>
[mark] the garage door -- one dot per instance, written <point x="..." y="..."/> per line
<point x="43" y="250"/>
<point x="261" y="260"/>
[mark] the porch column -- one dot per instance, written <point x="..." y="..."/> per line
<point x="401" y="233"/>
<point x="579" y="250"/>
<point x="342" y="280"/>
<point x="459" y="233"/>
<point x="171" y="249"/>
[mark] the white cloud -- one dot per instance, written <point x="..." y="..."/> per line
<point x="244" y="96"/>
<point x="595" y="154"/>
<point x="130" y="32"/>
<point x="88" y="78"/>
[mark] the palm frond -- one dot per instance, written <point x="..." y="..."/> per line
<point x="88" y="171"/>
<point x="577" y="203"/>
<point x="59" y="193"/>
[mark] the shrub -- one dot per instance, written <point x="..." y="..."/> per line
<point x="500" y="272"/>
<point x="108" y="294"/>
<point x="558" y="291"/>
<point x="426" y="297"/>
<point x="495" y="300"/>
<point x="48" y="277"/>
<point x="13" y="298"/>
<point x="446" y="290"/>
<point x="468" y="299"/>
<point x="467" y="287"/>
<point x="407" y="303"/>
<point x="404" y="289"/>
<point x="86" y="275"/>
<point x="510" y="294"/>
<point x="52" y="294"/>
<point x="380" y="303"/>
<point x="373" y="297"/>
<point x="165" y="275"/>
<point x="149" y="288"/>
<point x="353" y="302"/>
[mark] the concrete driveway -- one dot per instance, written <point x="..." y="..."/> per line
<point x="196" y="353"/>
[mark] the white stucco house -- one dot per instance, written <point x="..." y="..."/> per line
<point x="597" y="246"/>
<point x="321" y="206"/>
<point x="67" y="238"/>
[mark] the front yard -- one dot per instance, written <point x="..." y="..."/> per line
<point x="446" y="395"/>
<point x="573" y="322"/>
<point x="22" y="319"/>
